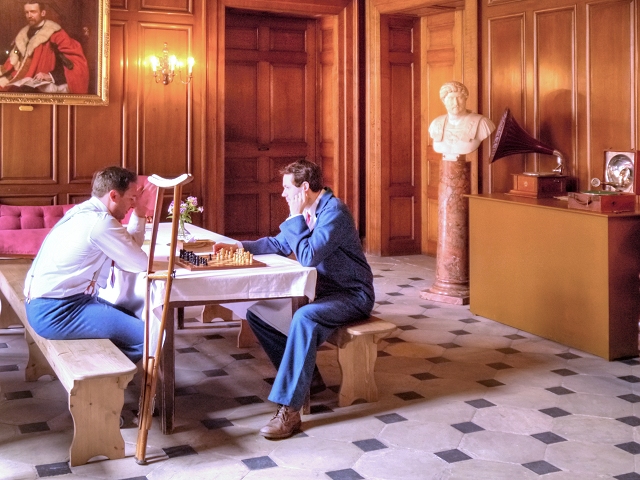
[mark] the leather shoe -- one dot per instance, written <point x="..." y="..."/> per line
<point x="284" y="423"/>
<point x="317" y="384"/>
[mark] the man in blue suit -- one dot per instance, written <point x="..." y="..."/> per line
<point x="320" y="231"/>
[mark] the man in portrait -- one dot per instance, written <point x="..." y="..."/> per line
<point x="44" y="58"/>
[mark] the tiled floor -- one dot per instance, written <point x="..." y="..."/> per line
<point x="461" y="397"/>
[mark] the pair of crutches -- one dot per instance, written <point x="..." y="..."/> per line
<point x="151" y="359"/>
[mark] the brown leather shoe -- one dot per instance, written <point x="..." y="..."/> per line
<point x="284" y="423"/>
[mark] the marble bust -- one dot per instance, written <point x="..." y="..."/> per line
<point x="460" y="131"/>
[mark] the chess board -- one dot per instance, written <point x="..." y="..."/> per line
<point x="216" y="264"/>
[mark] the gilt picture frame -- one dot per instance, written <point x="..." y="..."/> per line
<point x="54" y="52"/>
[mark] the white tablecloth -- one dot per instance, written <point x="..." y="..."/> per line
<point x="282" y="277"/>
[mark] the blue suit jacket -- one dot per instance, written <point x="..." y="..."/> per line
<point x="333" y="248"/>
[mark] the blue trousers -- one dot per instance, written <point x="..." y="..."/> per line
<point x="86" y="316"/>
<point x="294" y="356"/>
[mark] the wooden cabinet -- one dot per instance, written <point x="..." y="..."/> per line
<point x="567" y="275"/>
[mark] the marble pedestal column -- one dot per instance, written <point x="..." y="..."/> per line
<point x="452" y="256"/>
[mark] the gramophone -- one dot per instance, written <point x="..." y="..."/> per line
<point x="511" y="139"/>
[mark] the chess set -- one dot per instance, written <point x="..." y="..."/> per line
<point x="221" y="260"/>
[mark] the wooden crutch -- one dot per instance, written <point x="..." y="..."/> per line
<point x="151" y="360"/>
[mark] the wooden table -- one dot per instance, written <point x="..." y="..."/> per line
<point x="564" y="274"/>
<point x="281" y="278"/>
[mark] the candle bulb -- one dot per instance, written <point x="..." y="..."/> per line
<point x="172" y="63"/>
<point x="154" y="63"/>
<point x="190" y="62"/>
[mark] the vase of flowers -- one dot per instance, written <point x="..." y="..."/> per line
<point x="189" y="206"/>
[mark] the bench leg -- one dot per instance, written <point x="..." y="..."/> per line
<point x="95" y="406"/>
<point x="246" y="337"/>
<point x="357" y="358"/>
<point x="211" y="312"/>
<point x="8" y="317"/>
<point x="37" y="364"/>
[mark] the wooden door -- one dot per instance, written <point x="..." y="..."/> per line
<point x="270" y="115"/>
<point x="400" y="135"/>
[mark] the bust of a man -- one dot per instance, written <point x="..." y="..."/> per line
<point x="460" y="131"/>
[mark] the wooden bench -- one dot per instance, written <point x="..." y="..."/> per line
<point x="357" y="347"/>
<point x="94" y="373"/>
<point x="357" y="354"/>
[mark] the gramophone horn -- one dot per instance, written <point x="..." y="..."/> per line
<point x="511" y="139"/>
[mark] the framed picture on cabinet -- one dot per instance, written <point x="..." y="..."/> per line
<point x="54" y="52"/>
<point x="620" y="171"/>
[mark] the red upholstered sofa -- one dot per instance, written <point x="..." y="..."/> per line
<point x="23" y="228"/>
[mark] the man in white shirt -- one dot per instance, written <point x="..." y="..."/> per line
<point x="78" y="257"/>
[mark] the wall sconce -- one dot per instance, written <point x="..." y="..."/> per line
<point x="164" y="69"/>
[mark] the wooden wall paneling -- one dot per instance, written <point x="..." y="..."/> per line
<point x="400" y="128"/>
<point x="270" y="109"/>
<point x="555" y="67"/>
<point x="216" y="119"/>
<point x="118" y="4"/>
<point x="611" y="115"/>
<point x="175" y="6"/>
<point x="350" y="110"/>
<point x="385" y="147"/>
<point x="164" y="111"/>
<point x="328" y="129"/>
<point x="216" y="85"/>
<point x="34" y="199"/>
<point x="244" y="169"/>
<point x="405" y="136"/>
<point x="295" y="7"/>
<point x="582" y="59"/>
<point x="415" y="7"/>
<point x="506" y="87"/>
<point x="462" y="62"/>
<point x="373" y="237"/>
<point x="28" y="144"/>
<point x="100" y="133"/>
<point x="439" y="66"/>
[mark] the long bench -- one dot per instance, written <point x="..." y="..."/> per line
<point x="357" y="349"/>
<point x="94" y="373"/>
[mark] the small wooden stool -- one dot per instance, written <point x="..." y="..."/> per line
<point x="357" y="355"/>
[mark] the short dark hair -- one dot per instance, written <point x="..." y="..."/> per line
<point x="112" y="178"/>
<point x="305" y="171"/>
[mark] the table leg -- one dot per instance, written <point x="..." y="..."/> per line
<point x="297" y="302"/>
<point x="166" y="391"/>
<point x="180" y="318"/>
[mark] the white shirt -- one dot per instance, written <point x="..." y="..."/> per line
<point x="80" y="249"/>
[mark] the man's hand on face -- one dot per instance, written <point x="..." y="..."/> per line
<point x="145" y="200"/>
<point x="298" y="202"/>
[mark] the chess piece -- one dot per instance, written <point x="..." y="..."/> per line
<point x="455" y="135"/>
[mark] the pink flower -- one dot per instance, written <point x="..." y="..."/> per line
<point x="189" y="206"/>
